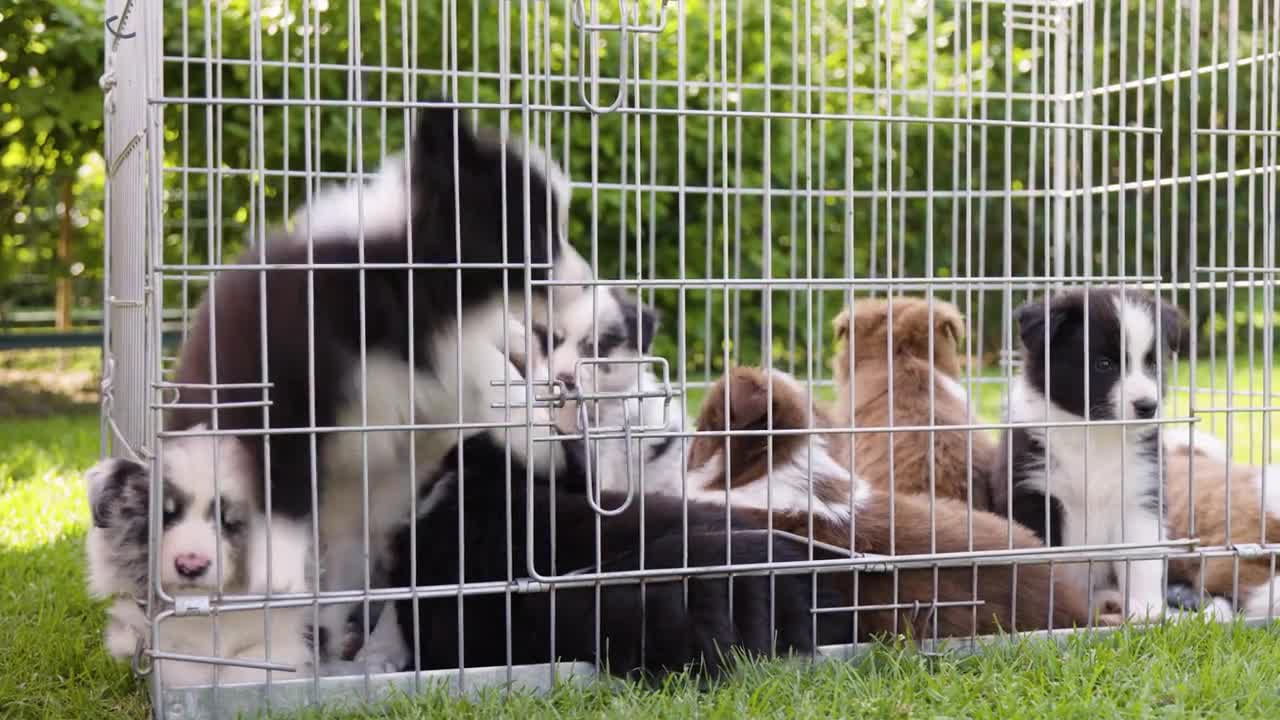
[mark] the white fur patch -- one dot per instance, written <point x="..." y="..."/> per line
<point x="379" y="208"/>
<point x="1269" y="490"/>
<point x="1140" y="336"/>
<point x="1103" y="478"/>
<point x="786" y="489"/>
<point x="951" y="386"/>
<point x="1179" y="436"/>
<point x="1263" y="601"/>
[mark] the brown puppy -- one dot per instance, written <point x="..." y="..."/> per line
<point x="949" y="453"/>
<point x="848" y="512"/>
<point x="1255" y="518"/>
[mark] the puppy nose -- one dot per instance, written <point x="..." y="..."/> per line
<point x="570" y="382"/>
<point x="1145" y="408"/>
<point x="191" y="565"/>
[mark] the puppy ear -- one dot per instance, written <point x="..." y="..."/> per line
<point x="869" y="316"/>
<point x="433" y="145"/>
<point x="1174" y="326"/>
<point x="912" y="325"/>
<point x="112" y="482"/>
<point x="711" y="416"/>
<point x="1031" y="325"/>
<point x="949" y="323"/>
<point x="648" y="327"/>
<point x="748" y="398"/>
<point x="841" y="324"/>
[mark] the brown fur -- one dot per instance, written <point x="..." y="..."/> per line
<point x="748" y="390"/>
<point x="870" y="530"/>
<point x="911" y="380"/>
<point x="1248" y="522"/>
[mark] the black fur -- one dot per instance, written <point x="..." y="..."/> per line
<point x="672" y="636"/>
<point x="647" y="325"/>
<point x="1184" y="597"/>
<point x="471" y="198"/>
<point x="1028" y="506"/>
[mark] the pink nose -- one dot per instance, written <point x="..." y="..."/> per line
<point x="191" y="565"/>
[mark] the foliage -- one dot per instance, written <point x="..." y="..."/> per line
<point x="236" y="169"/>
<point x="50" y="61"/>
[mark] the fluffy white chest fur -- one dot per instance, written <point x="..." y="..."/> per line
<point x="1106" y="479"/>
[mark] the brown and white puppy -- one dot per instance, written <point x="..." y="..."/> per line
<point x="847" y="512"/>
<point x="741" y="401"/>
<point x="1254" y="506"/>
<point x="876" y="353"/>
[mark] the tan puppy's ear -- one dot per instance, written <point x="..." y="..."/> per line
<point x="949" y="323"/>
<point x="912" y="328"/>
<point x="841" y="324"/>
<point x="869" y="317"/>
<point x="710" y="417"/>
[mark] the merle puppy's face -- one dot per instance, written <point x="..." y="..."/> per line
<point x="614" y="327"/>
<point x="1105" y="350"/>
<point x="202" y="543"/>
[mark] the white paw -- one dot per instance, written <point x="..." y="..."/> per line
<point x="378" y="663"/>
<point x="384" y="653"/>
<point x="1148" y="611"/>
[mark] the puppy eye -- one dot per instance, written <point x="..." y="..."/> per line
<point x="170" y="510"/>
<point x="558" y="339"/>
<point x="1102" y="365"/>
<point x="230" y="524"/>
<point x="231" y="521"/>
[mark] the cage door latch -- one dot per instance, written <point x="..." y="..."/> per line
<point x="628" y="23"/>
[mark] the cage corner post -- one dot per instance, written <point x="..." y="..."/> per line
<point x="126" y="115"/>
<point x="131" y="124"/>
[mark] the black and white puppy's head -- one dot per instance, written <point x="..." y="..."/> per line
<point x="203" y="544"/>
<point x="1104" y="348"/>
<point x="473" y="204"/>
<point x="605" y="324"/>
<point x="465" y="191"/>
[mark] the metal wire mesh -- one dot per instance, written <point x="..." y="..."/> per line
<point x="749" y="170"/>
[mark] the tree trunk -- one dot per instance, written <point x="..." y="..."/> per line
<point x="62" y="286"/>
<point x="63" y="298"/>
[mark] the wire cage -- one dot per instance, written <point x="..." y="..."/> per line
<point x="748" y="170"/>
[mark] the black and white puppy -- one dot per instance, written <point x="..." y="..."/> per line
<point x="213" y="540"/>
<point x="1094" y="355"/>
<point x="347" y="336"/>
<point x="596" y="347"/>
<point x="630" y="631"/>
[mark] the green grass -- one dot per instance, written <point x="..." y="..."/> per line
<point x="52" y="664"/>
<point x="1193" y="670"/>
